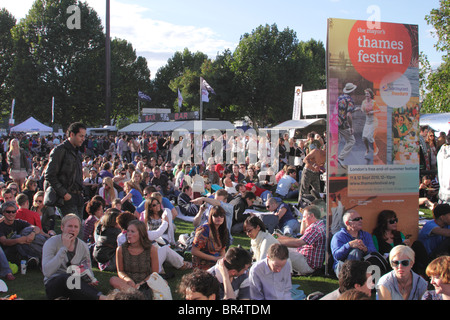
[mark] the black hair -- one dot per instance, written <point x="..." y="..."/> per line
<point x="75" y="128"/>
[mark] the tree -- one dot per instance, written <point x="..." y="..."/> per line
<point x="129" y="74"/>
<point x="53" y="60"/>
<point x="162" y="95"/>
<point x="437" y="84"/>
<point x="219" y="75"/>
<point x="267" y="65"/>
<point x="7" y="23"/>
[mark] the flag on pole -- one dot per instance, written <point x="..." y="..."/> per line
<point x="180" y="99"/>
<point x="12" y="108"/>
<point x="53" y="109"/>
<point x="143" y="96"/>
<point x="205" y="88"/>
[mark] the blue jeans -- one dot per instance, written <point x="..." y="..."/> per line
<point x="355" y="254"/>
<point x="4" y="264"/>
<point x="291" y="227"/>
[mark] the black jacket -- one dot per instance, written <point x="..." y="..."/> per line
<point x="186" y="206"/>
<point x="64" y="170"/>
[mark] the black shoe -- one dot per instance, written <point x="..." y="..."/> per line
<point x="167" y="275"/>
<point x="33" y="263"/>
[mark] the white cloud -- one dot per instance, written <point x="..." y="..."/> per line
<point x="155" y="39"/>
<point x="19" y="9"/>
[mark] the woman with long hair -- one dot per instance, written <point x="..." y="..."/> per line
<point x="47" y="214"/>
<point x="386" y="236"/>
<point x="136" y="259"/>
<point x="431" y="151"/>
<point x="153" y="216"/>
<point x="211" y="240"/>
<point x="18" y="163"/>
<point x="105" y="234"/>
<point x="107" y="191"/>
<point x="133" y="193"/>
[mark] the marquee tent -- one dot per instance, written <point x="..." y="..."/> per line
<point x="203" y="125"/>
<point x="299" y="124"/>
<point x="164" y="126"/>
<point x="437" y="121"/>
<point x="32" y="125"/>
<point x="136" y="127"/>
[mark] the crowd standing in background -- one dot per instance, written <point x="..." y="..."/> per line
<point x="118" y="197"/>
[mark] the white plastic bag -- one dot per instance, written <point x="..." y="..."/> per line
<point x="159" y="286"/>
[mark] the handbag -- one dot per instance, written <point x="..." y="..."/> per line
<point x="51" y="198"/>
<point x="159" y="286"/>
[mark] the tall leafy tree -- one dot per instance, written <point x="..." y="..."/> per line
<point x="7" y="23"/>
<point x="221" y="77"/>
<point x="267" y="65"/>
<point x="437" y="85"/>
<point x="162" y="95"/>
<point x="130" y="74"/>
<point x="218" y="74"/>
<point x="54" y="60"/>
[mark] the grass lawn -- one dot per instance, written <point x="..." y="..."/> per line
<point x="31" y="287"/>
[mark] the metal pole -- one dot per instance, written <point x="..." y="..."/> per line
<point x="108" y="64"/>
<point x="201" y="100"/>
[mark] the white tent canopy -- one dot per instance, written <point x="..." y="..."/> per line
<point x="437" y="121"/>
<point x="299" y="124"/>
<point x="32" y="125"/>
<point x="164" y="126"/>
<point x="136" y="127"/>
<point x="204" y="125"/>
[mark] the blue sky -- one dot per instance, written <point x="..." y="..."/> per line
<point x="157" y="29"/>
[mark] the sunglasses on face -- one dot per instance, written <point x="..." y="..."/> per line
<point x="392" y="221"/>
<point x="218" y="215"/>
<point x="155" y="205"/>
<point x="38" y="201"/>
<point x="396" y="263"/>
<point x="356" y="219"/>
<point x="10" y="211"/>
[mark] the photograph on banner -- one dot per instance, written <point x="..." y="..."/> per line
<point x="373" y="127"/>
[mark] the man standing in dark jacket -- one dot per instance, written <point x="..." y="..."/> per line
<point x="64" y="171"/>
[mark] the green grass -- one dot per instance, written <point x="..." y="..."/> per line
<point x="31" y="286"/>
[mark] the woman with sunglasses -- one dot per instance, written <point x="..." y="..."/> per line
<point x="401" y="283"/>
<point x="385" y="234"/>
<point x="211" y="240"/>
<point x="47" y="214"/>
<point x="153" y="217"/>
<point x="261" y="239"/>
